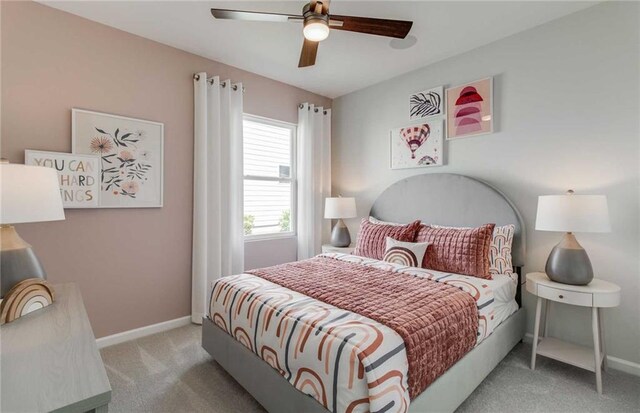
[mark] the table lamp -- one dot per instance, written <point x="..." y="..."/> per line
<point x="568" y="262"/>
<point x="27" y="194"/>
<point x="340" y="208"/>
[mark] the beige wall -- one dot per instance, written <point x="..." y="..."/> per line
<point x="566" y="104"/>
<point x="132" y="265"/>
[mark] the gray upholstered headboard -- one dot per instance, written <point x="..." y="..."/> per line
<point x="452" y="200"/>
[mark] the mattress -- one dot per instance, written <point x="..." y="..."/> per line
<point x="348" y="362"/>
<point x="504" y="297"/>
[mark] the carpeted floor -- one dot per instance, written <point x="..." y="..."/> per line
<point x="170" y="372"/>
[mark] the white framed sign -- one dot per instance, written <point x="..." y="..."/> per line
<point x="78" y="176"/>
<point x="130" y="153"/>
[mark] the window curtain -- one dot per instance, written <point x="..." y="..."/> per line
<point x="218" y="240"/>
<point x="314" y="178"/>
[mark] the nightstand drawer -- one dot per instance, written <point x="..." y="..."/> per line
<point x="564" y="296"/>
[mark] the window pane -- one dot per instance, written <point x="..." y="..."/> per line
<point x="267" y="207"/>
<point x="267" y="150"/>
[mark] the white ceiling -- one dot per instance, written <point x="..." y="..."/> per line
<point x="346" y="61"/>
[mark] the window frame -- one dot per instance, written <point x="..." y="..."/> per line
<point x="293" y="178"/>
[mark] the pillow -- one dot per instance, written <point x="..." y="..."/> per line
<point x="371" y="238"/>
<point x="457" y="250"/>
<point x="500" y="249"/>
<point x="378" y="222"/>
<point x="410" y="254"/>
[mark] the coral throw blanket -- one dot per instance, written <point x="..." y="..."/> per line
<point x="438" y="322"/>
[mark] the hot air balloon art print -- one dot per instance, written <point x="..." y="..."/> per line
<point x="417" y="146"/>
<point x="470" y="109"/>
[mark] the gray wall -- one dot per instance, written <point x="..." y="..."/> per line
<point x="566" y="110"/>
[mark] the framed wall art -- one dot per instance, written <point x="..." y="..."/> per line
<point x="418" y="145"/>
<point x="78" y="176"/>
<point x="470" y="109"/>
<point x="130" y="153"/>
<point x="426" y="103"/>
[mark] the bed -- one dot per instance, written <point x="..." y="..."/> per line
<point x="269" y="360"/>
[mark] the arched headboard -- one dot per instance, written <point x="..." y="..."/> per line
<point x="451" y="200"/>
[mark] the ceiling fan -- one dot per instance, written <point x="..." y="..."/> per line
<point x="317" y="24"/>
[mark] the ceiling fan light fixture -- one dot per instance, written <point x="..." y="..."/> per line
<point x="315" y="30"/>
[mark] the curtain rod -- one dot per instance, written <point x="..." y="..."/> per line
<point x="316" y="110"/>
<point x="224" y="84"/>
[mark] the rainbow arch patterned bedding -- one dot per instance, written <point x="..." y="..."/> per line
<point x="346" y="361"/>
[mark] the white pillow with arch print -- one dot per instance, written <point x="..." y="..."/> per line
<point x="410" y="254"/>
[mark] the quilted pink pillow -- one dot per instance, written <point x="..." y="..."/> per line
<point x="372" y="237"/>
<point x="457" y="250"/>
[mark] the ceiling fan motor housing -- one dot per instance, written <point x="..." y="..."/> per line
<point x="316" y="24"/>
<point x="314" y="16"/>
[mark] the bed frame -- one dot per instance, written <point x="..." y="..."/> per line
<point x="446" y="199"/>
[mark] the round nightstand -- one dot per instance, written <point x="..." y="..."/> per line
<point x="597" y="294"/>
<point x="345" y="250"/>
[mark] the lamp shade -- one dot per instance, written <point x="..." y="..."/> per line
<point x="573" y="213"/>
<point x="29" y="194"/>
<point x="337" y="208"/>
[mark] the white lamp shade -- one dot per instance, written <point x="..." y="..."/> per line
<point x="29" y="194"/>
<point x="337" y="208"/>
<point x="573" y="213"/>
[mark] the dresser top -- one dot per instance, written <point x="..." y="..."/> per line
<point x="50" y="359"/>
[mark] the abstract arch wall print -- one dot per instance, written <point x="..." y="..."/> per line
<point x="470" y="109"/>
<point x="426" y="104"/>
<point x="130" y="157"/>
<point x="417" y="146"/>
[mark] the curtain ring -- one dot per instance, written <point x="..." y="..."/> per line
<point x="234" y="87"/>
<point x="324" y="113"/>
<point x="316" y="110"/>
<point x="300" y="106"/>
<point x="196" y="76"/>
<point x="224" y="84"/>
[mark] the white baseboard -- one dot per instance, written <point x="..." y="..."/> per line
<point x="118" y="338"/>
<point x="613" y="362"/>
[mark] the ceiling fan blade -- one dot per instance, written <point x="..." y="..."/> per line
<point x="254" y="16"/>
<point x="308" y="54"/>
<point x="368" y="25"/>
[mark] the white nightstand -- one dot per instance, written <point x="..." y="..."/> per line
<point x="598" y="294"/>
<point x="344" y="250"/>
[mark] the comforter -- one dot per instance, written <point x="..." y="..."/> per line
<point x="355" y="333"/>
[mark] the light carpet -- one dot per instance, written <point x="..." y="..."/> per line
<point x="171" y="372"/>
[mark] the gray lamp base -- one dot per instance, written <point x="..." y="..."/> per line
<point x="17" y="260"/>
<point x="340" y="235"/>
<point x="568" y="263"/>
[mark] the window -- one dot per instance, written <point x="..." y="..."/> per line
<point x="269" y="177"/>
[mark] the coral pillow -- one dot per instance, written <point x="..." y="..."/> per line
<point x="457" y="250"/>
<point x="500" y="249"/>
<point x="371" y="241"/>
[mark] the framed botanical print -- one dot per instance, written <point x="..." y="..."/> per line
<point x="426" y="104"/>
<point x="131" y="157"/>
